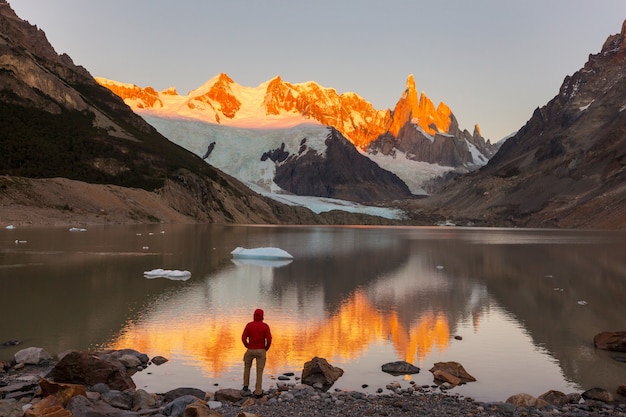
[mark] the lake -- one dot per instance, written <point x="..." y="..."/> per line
<point x="518" y="308"/>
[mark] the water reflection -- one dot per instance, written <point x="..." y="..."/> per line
<point x="359" y="297"/>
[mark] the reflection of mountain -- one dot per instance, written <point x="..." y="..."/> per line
<point x="331" y="303"/>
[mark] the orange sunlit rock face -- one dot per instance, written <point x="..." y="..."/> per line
<point x="349" y="113"/>
<point x="419" y="111"/>
<point x="215" y="341"/>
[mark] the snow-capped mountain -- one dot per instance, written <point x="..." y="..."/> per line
<point x="416" y="141"/>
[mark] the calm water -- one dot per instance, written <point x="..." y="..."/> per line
<point x="526" y="303"/>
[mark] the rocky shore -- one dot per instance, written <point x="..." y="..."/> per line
<point x="88" y="384"/>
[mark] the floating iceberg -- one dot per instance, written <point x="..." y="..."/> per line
<point x="10" y="227"/>
<point x="260" y="253"/>
<point x="173" y="274"/>
<point x="77" y="229"/>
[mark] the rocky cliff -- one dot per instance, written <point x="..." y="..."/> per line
<point x="567" y="166"/>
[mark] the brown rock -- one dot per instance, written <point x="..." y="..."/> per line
<point x="526" y="400"/>
<point x="199" y="410"/>
<point x="159" y="360"/>
<point x="318" y="370"/>
<point x="621" y="390"/>
<point x="453" y="368"/>
<point x="598" y="394"/>
<point x="248" y="403"/>
<point x="446" y="377"/>
<point x="63" y="392"/>
<point x="245" y="414"/>
<point x="556" y="398"/>
<point x="228" y="394"/>
<point x="614" y="341"/>
<point x="48" y="407"/>
<point x="85" y="369"/>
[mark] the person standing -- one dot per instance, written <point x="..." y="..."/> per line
<point x="257" y="338"/>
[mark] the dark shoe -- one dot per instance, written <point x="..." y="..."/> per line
<point x="258" y="395"/>
<point x="245" y="392"/>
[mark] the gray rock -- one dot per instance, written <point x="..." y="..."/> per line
<point x="31" y="356"/>
<point x="118" y="399"/>
<point x="142" y="400"/>
<point x="177" y="407"/>
<point x="80" y="406"/>
<point x="130" y="360"/>
<point x="182" y="391"/>
<point x="100" y="387"/>
<point x="400" y="368"/>
<point x="159" y="360"/>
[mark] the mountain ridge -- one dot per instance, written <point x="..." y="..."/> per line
<point x="566" y="167"/>
<point x="279" y="103"/>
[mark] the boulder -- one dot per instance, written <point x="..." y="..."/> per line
<point x="85" y="369"/>
<point x="555" y="398"/>
<point x="177" y="407"/>
<point x="31" y="356"/>
<point x="319" y="371"/>
<point x="62" y="392"/>
<point x="598" y="394"/>
<point x="228" y="394"/>
<point x="400" y="368"/>
<point x="453" y="368"/>
<point x="130" y="361"/>
<point x="118" y="399"/>
<point x="199" y="410"/>
<point x="48" y="406"/>
<point x="142" y="400"/>
<point x="81" y="407"/>
<point x="446" y="377"/>
<point x="179" y="392"/>
<point x="614" y="341"/>
<point x="159" y="360"/>
<point x="526" y="401"/>
<point x="11" y="408"/>
<point x="621" y="390"/>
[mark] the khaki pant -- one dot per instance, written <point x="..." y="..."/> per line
<point x="248" y="357"/>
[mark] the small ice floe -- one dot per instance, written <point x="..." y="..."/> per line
<point x="261" y="253"/>
<point x="151" y="234"/>
<point x="17" y="242"/>
<point x="549" y="276"/>
<point x="582" y="303"/>
<point x="558" y="289"/>
<point x="137" y="234"/>
<point x="145" y="247"/>
<point x="173" y="274"/>
<point x="10" y="227"/>
<point x="77" y="229"/>
<point x="439" y="267"/>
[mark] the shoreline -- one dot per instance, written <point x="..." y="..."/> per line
<point x="26" y="386"/>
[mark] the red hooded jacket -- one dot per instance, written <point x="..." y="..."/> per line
<point x="256" y="334"/>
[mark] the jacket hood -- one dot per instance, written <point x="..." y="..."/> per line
<point x="258" y="315"/>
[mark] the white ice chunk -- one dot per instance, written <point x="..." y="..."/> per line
<point x="261" y="253"/>
<point x="173" y="274"/>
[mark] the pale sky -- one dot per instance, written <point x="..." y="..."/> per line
<point x="492" y="61"/>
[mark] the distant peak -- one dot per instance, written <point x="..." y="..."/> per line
<point x="171" y="91"/>
<point x="224" y="78"/>
<point x="410" y="82"/>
